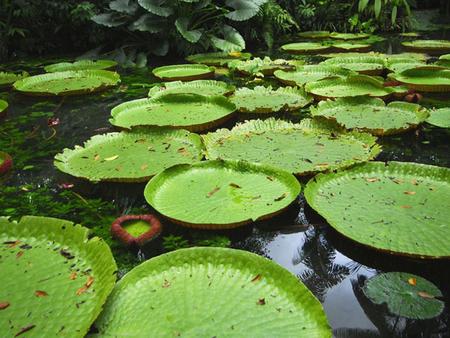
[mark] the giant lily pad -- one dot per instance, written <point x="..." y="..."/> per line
<point x="405" y="294"/>
<point x="425" y="78"/>
<point x="130" y="156"/>
<point x="186" y="72"/>
<point x="265" y="66"/>
<point x="67" y="83"/>
<point x="203" y="87"/>
<point x="372" y="114"/>
<point x="310" y="73"/>
<point x="217" y="58"/>
<point x="444" y="61"/>
<point x="221" y="194"/>
<point x="351" y="46"/>
<point x="395" y="207"/>
<point x="190" y="111"/>
<point x="301" y="149"/>
<point x="428" y="46"/>
<point x="211" y="292"/>
<point x="440" y="117"/>
<point x="369" y="65"/>
<point x="3" y="107"/>
<point x="266" y="100"/>
<point x="353" y="85"/>
<point x="80" y="65"/>
<point x="314" y="34"/>
<point x="8" y="78"/>
<point x="349" y="36"/>
<point x="399" y="64"/>
<point x="305" y="48"/>
<point x="54" y="279"/>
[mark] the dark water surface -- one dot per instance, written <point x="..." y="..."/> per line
<point x="332" y="267"/>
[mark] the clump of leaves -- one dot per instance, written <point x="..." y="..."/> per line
<point x="175" y="242"/>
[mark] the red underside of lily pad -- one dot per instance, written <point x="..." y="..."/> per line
<point x="118" y="229"/>
<point x="7" y="162"/>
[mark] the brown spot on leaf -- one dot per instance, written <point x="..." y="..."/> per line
<point x="234" y="185"/>
<point x="19" y="254"/>
<point x="412" y="281"/>
<point x="212" y="192"/>
<point x="406" y="206"/>
<point x="90" y="281"/>
<point x="11" y="244"/>
<point x="279" y="198"/>
<point x="24" y="329"/>
<point x="40" y="293"/>
<point x="270" y="178"/>
<point x="96" y="157"/>
<point x="409" y="192"/>
<point x="166" y="284"/>
<point x="261" y="301"/>
<point x="144" y="166"/>
<point x="73" y="275"/>
<point x="4" y="305"/>
<point x="66" y="254"/>
<point x="257" y="278"/>
<point x="373" y="179"/>
<point x="85" y="287"/>
<point x="424" y="294"/>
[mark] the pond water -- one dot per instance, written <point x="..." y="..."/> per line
<point x="300" y="240"/>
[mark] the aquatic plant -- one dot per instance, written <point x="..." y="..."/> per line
<point x="184" y="72"/>
<point x="136" y="230"/>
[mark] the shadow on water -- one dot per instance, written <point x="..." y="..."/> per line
<point x="333" y="267"/>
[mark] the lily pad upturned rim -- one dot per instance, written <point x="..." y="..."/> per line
<point x="375" y="64"/>
<point x="284" y="76"/>
<point x="265" y="66"/>
<point x="73" y="238"/>
<point x="165" y="87"/>
<point x="177" y="98"/>
<point x="314" y="185"/>
<point x="62" y="159"/>
<point x="428" y="46"/>
<point x="348" y="36"/>
<point x="390" y="287"/>
<point x="311" y="86"/>
<point x="238" y="165"/>
<point x="213" y="139"/>
<point x="126" y="238"/>
<point x="80" y="65"/>
<point x="264" y="91"/>
<point x="314" y="34"/>
<point x="213" y="59"/>
<point x="6" y="162"/>
<point x="360" y="101"/>
<point x="412" y="78"/>
<point x="109" y="79"/>
<point x="205" y="72"/>
<point x="259" y="268"/>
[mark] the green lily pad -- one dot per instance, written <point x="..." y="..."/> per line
<point x="3" y="107"/>
<point x="221" y="194"/>
<point x="305" y="48"/>
<point x="314" y="34"/>
<point x="211" y="292"/>
<point x="80" y="65"/>
<point x="266" y="100"/>
<point x="130" y="156"/>
<point x="190" y="111"/>
<point x="302" y="149"/>
<point x="440" y="117"/>
<point x="428" y="46"/>
<point x="217" y="58"/>
<point x="54" y="279"/>
<point x="67" y="83"/>
<point x="395" y="207"/>
<point x="444" y="61"/>
<point x="8" y="78"/>
<point x="399" y="64"/>
<point x="351" y="46"/>
<point x="187" y="72"/>
<point x="351" y="54"/>
<point x="410" y="34"/>
<point x="310" y="73"/>
<point x="203" y="87"/>
<point x="425" y="78"/>
<point x="405" y="294"/>
<point x="353" y="85"/>
<point x="369" y="65"/>
<point x="349" y="36"/>
<point x="265" y="66"/>
<point x="372" y="114"/>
